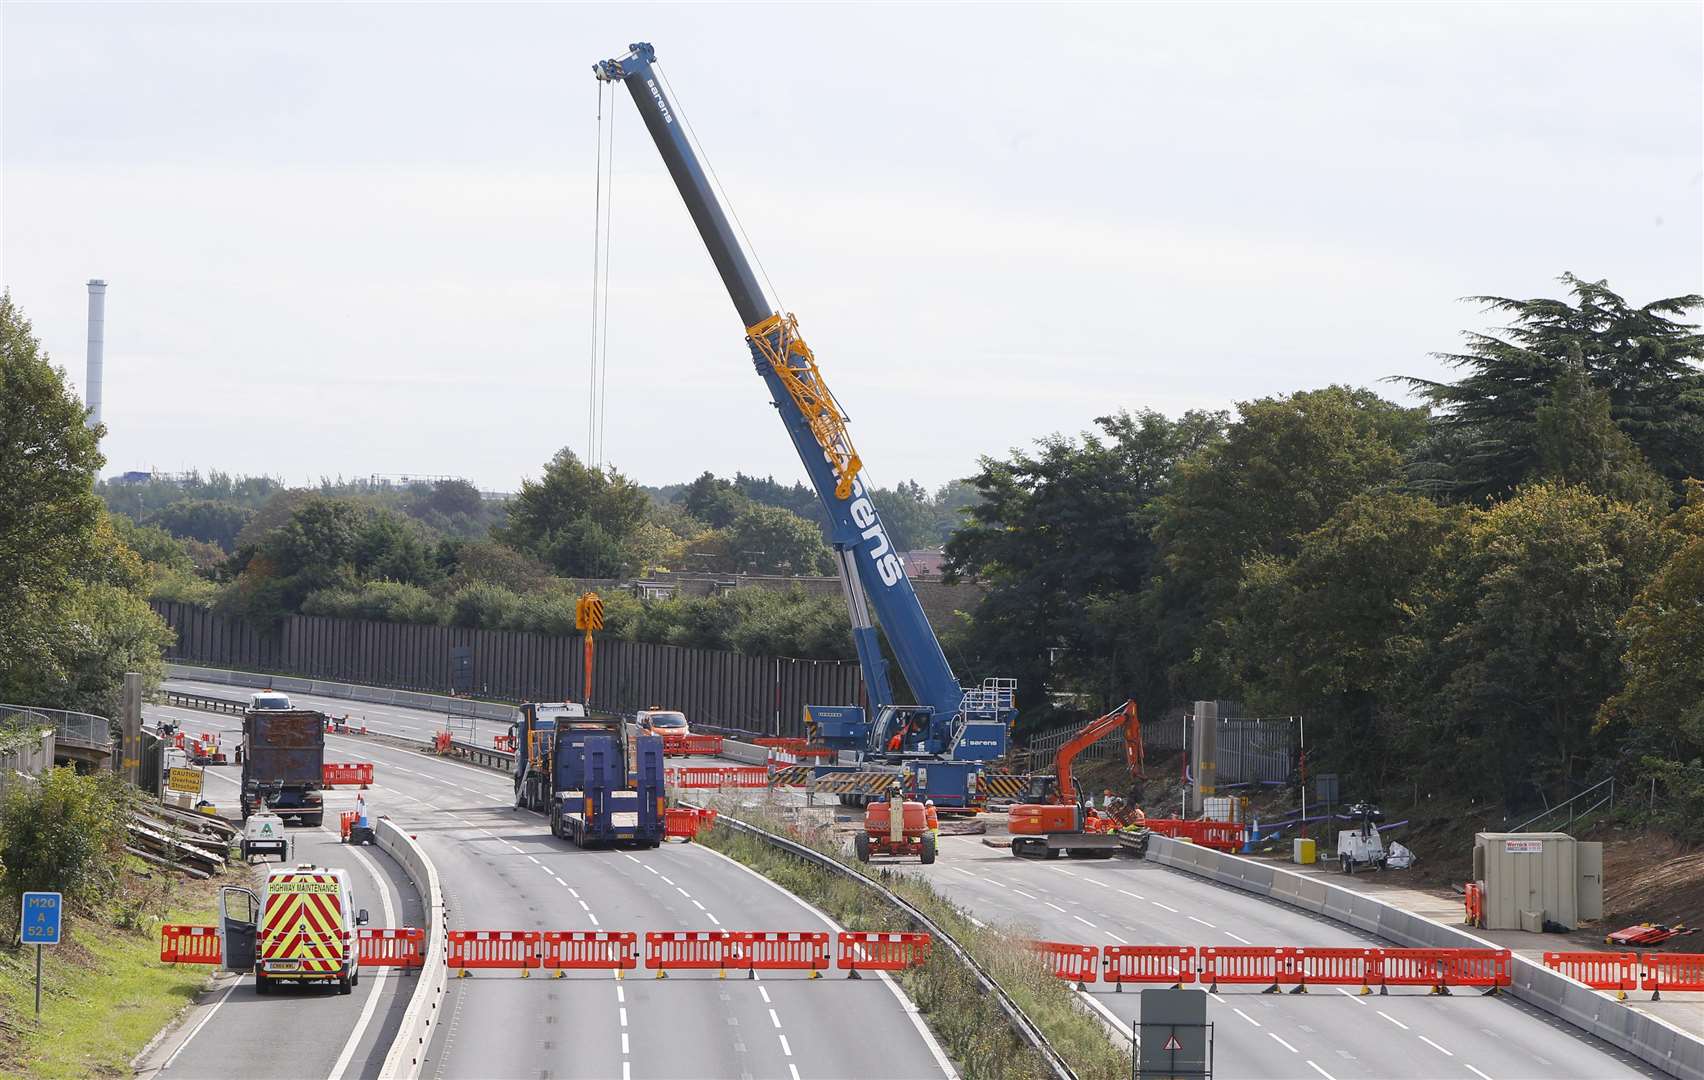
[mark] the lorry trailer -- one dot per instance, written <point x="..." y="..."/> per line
<point x="284" y="764"/>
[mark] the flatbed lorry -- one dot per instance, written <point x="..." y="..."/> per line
<point x="284" y="764"/>
<point x="600" y="785"/>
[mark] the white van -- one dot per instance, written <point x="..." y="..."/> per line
<point x="271" y="701"/>
<point x="301" y="928"/>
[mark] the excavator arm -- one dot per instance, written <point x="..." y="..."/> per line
<point x="1125" y="717"/>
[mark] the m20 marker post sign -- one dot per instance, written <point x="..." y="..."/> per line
<point x="38" y="925"/>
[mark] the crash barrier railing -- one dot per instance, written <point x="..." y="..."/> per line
<point x="179" y="700"/>
<point x="1275" y="968"/>
<point x="189" y="944"/>
<point x="1218" y="835"/>
<point x="1077" y="964"/>
<point x="380" y="947"/>
<point x="692" y="745"/>
<point x="1626" y="971"/>
<point x="348" y="772"/>
<point x="603" y="950"/>
<point x="716" y="776"/>
<point x="1473" y="903"/>
<point x="1021" y="1025"/>
<point x="471" y="949"/>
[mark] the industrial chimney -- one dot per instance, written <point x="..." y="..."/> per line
<point x="97" y="347"/>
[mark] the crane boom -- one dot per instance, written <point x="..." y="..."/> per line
<point x="871" y="572"/>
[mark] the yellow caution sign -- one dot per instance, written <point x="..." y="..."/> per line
<point x="187" y="781"/>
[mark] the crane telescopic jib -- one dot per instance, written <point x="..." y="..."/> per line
<point x="946" y="722"/>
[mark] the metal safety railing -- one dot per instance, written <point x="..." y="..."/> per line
<point x="1563" y="814"/>
<point x="73" y="728"/>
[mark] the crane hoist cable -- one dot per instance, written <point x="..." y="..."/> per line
<point x="603" y="202"/>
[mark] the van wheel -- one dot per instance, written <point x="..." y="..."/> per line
<point x="345" y="985"/>
<point x="261" y="986"/>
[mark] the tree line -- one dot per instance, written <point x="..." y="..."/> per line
<point x="1500" y="588"/>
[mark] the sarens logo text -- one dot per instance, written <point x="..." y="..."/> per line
<point x="662" y="106"/>
<point x="882" y="555"/>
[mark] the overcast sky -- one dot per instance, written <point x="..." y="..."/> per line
<point x="355" y="239"/>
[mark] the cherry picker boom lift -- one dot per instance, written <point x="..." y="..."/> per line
<point x="949" y="733"/>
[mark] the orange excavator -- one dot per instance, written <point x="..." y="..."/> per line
<point x="1057" y="818"/>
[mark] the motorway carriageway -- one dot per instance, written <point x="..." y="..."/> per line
<point x="234" y="1032"/>
<point x="502" y="870"/>
<point x="1330" y="1032"/>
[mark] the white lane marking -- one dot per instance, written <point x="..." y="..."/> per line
<point x="629" y="858"/>
<point x="1234" y="937"/>
<point x="996" y="882"/>
<point x="773" y="1019"/>
<point x="1020" y="892"/>
<point x="1282" y="1043"/>
<point x="1215" y="997"/>
<point x="1093" y="881"/>
<point x="1475" y="1072"/>
<point x="794" y="1069"/>
<point x="764" y="992"/>
<point x="620" y="994"/>
<point x="624" y="1046"/>
<point x="1321" y="1071"/>
<point x="1116" y="938"/>
<point x="548" y="870"/>
<point x="1067" y="873"/>
<point x="683" y="892"/>
<point x="594" y="919"/>
<point x="1393" y="1020"/>
<point x="624" y="1016"/>
<point x="197" y="1029"/>
<point x="1162" y="907"/>
<point x="1356" y="998"/>
<point x="534" y="858"/>
<point x="1434" y="1046"/>
<point x="1203" y="922"/>
<point x="573" y="893"/>
<point x="1132" y="895"/>
<point x="649" y="867"/>
<point x="713" y="918"/>
<point x="585" y="906"/>
<point x="665" y="878"/>
<point x="1054" y="906"/>
<point x="1084" y="921"/>
<point x="626" y="1070"/>
<point x="1123" y="1029"/>
<point x="966" y="873"/>
<point x="1246" y="1016"/>
<point x="371" y="1005"/>
<point x="697" y="905"/>
<point x="785" y="1049"/>
<point x="909" y="1007"/>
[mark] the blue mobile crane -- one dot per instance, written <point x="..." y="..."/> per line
<point x="950" y="732"/>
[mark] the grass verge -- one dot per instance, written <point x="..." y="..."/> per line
<point x="104" y="992"/>
<point x="971" y="1026"/>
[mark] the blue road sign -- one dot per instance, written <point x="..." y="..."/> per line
<point x="40" y="922"/>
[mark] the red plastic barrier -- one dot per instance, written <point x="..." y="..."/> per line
<point x="1330" y="967"/>
<point x="348" y="772"/>
<point x="1598" y="970"/>
<point x="1250" y="964"/>
<point x="392" y="948"/>
<point x="687" y="949"/>
<point x="883" y="952"/>
<point x="1218" y="835"/>
<point x="717" y="776"/>
<point x="681" y="824"/>
<point x="493" y="949"/>
<point x="441" y="742"/>
<point x="699" y="745"/>
<point x="1414" y="967"/>
<point x="1489" y="968"/>
<point x="1673" y="971"/>
<point x="1075" y="963"/>
<point x="1474" y="904"/>
<point x="504" y="742"/>
<point x="1171" y="965"/>
<point x="597" y="949"/>
<point x="189" y="944"/>
<point x="780" y="951"/>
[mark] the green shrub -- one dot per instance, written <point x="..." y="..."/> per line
<point x="64" y="834"/>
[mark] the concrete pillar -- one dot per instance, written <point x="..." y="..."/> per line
<point x="128" y="762"/>
<point x="1204" y="755"/>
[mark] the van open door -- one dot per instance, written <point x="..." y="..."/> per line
<point x="239" y="910"/>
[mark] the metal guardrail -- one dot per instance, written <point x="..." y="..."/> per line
<point x="1021" y="1023"/>
<point x="177" y="699"/>
<point x="501" y="760"/>
<point x="1598" y="797"/>
<point x="69" y="728"/>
